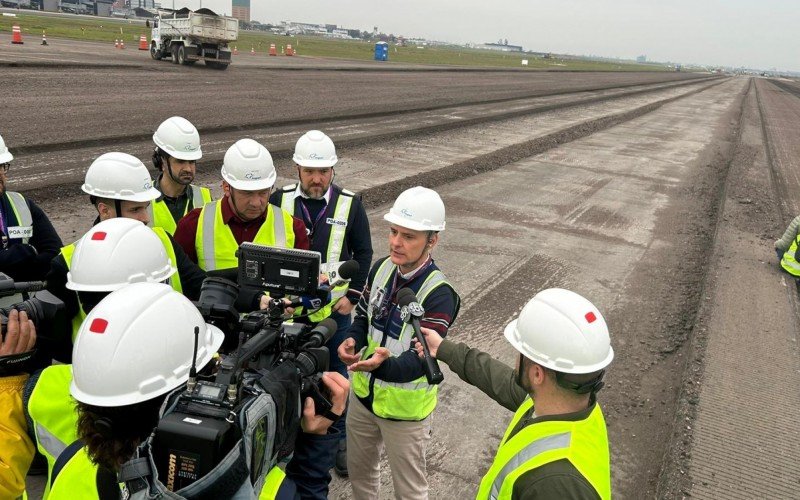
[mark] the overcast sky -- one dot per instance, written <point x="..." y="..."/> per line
<point x="763" y="34"/>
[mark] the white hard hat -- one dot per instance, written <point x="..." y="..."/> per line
<point x="137" y="344"/>
<point x="115" y="253"/>
<point x="418" y="208"/>
<point x="563" y="331"/>
<point x="315" y="150"/>
<point x="5" y="154"/>
<point x="119" y="176"/>
<point x="248" y="166"/>
<point x="178" y="138"/>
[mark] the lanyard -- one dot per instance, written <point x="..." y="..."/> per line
<point x="307" y="215"/>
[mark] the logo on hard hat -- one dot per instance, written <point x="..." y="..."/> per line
<point x="406" y="212"/>
<point x="315" y="156"/>
<point x="252" y="175"/>
<point x="148" y="184"/>
<point x="189" y="147"/>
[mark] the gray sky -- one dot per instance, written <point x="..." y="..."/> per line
<point x="763" y="34"/>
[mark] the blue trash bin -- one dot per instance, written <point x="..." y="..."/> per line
<point x="381" y="51"/>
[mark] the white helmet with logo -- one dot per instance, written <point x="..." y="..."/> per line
<point x="315" y="150"/>
<point x="561" y="330"/>
<point x="418" y="208"/>
<point x="137" y="344"/>
<point x="178" y="138"/>
<point x="248" y="166"/>
<point x="115" y="253"/>
<point x="5" y="154"/>
<point x="119" y="176"/>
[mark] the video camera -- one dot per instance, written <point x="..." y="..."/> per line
<point x="201" y="425"/>
<point x="45" y="310"/>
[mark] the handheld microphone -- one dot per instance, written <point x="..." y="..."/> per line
<point x="343" y="273"/>
<point x="410" y="312"/>
<point x="312" y="303"/>
<point x="322" y="333"/>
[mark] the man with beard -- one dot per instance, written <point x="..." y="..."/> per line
<point x="556" y="446"/>
<point x="175" y="156"/>
<point x="338" y="228"/>
<point x="28" y="240"/>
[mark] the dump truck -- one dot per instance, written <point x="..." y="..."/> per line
<point x="189" y="36"/>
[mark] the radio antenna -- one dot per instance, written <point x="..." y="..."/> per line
<point x="193" y="370"/>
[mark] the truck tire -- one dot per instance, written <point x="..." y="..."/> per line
<point x="155" y="53"/>
<point x="175" y="54"/>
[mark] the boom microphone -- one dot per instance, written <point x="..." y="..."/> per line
<point x="411" y="312"/>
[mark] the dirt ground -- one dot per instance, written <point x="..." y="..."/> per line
<point x="629" y="201"/>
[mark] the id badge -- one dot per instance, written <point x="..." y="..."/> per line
<point x="376" y="302"/>
<point x="18" y="232"/>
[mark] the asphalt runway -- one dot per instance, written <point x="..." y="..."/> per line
<point x="652" y="200"/>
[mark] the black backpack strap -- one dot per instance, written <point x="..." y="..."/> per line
<point x="64" y="458"/>
<point x="107" y="485"/>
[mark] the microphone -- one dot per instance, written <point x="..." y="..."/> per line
<point x="311" y="303"/>
<point x="322" y="333"/>
<point x="410" y="312"/>
<point x="343" y="273"/>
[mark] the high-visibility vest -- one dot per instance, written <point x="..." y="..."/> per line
<point x="160" y="216"/>
<point x="76" y="479"/>
<point x="216" y="246"/>
<point x="22" y="212"/>
<point x="54" y="415"/>
<point x="174" y="280"/>
<point x="583" y="442"/>
<point x="272" y="486"/>
<point x="789" y="261"/>
<point x="413" y="400"/>
<point x="336" y="227"/>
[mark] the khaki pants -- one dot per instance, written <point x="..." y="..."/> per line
<point x="405" y="442"/>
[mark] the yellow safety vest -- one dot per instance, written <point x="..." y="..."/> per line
<point x="78" y="479"/>
<point x="335" y="242"/>
<point x="583" y="442"/>
<point x="160" y="216"/>
<point x="272" y="484"/>
<point x="174" y="280"/>
<point x="216" y="246"/>
<point x="54" y="415"/>
<point x="21" y="210"/>
<point x="413" y="400"/>
<point x="789" y="261"/>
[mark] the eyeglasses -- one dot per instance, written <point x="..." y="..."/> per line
<point x="4" y="167"/>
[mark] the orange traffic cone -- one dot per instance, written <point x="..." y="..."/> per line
<point x="143" y="43"/>
<point x="44" y="38"/>
<point x="252" y="50"/>
<point x="116" y="43"/>
<point x="289" y="50"/>
<point x="121" y="43"/>
<point x="16" y="35"/>
<point x="235" y="50"/>
<point x="272" y="50"/>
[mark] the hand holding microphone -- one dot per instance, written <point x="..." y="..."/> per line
<point x="411" y="312"/>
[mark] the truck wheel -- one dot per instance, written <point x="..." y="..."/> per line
<point x="175" y="54"/>
<point x="155" y="53"/>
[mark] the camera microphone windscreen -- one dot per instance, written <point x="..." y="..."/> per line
<point x="322" y="333"/>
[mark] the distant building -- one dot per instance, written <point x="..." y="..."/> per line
<point x="641" y="59"/>
<point x="499" y="46"/>
<point x="241" y="10"/>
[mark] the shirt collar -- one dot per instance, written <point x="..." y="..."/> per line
<point x="407" y="276"/>
<point x="229" y="215"/>
<point x="299" y="192"/>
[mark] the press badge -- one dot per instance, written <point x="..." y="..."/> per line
<point x="337" y="222"/>
<point x="20" y="232"/>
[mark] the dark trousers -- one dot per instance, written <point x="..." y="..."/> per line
<point x="315" y="455"/>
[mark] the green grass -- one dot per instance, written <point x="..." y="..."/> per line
<point x="109" y="29"/>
